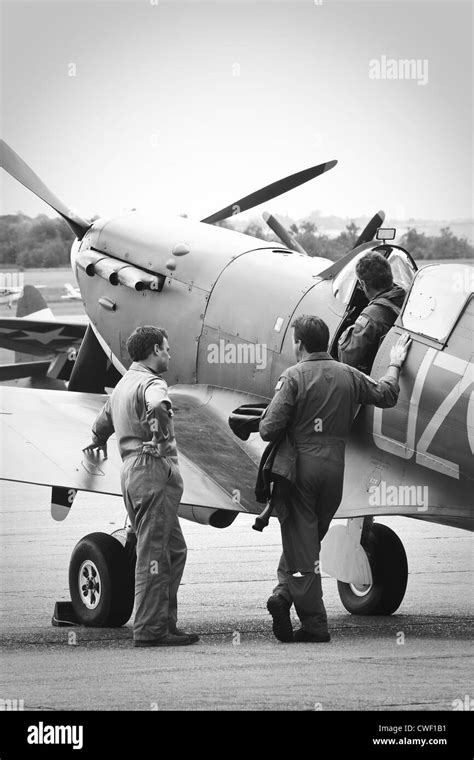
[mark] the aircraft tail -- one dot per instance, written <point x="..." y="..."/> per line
<point x="31" y="304"/>
<point x="36" y="331"/>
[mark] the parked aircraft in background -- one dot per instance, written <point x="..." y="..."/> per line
<point x="72" y="294"/>
<point x="9" y="296"/>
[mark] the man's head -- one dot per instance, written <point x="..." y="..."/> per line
<point x="150" y="346"/>
<point x="374" y="273"/>
<point x="311" y="334"/>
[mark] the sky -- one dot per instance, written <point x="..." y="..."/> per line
<point x="184" y="107"/>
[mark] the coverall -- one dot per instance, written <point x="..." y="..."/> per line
<point x="138" y="410"/>
<point x="315" y="402"/>
<point x="358" y="344"/>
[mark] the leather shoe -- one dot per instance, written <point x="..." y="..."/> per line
<point x="307" y="637"/>
<point x="169" y="640"/>
<point x="179" y="632"/>
<point x="279" y="609"/>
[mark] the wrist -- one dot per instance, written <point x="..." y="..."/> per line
<point x="395" y="364"/>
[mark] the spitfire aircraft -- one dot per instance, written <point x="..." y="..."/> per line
<point x="228" y="301"/>
<point x="8" y="296"/>
<point x="72" y="293"/>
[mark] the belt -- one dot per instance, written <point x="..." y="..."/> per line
<point x="158" y="452"/>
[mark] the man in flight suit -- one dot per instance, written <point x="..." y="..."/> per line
<point x="315" y="403"/>
<point x="139" y="411"/>
<point x="360" y="342"/>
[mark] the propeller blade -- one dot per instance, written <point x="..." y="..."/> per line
<point x="368" y="233"/>
<point x="282" y="233"/>
<point x="269" y="192"/>
<point x="366" y="236"/>
<point x="14" y="165"/>
<point x="337" y="266"/>
<point x="88" y="374"/>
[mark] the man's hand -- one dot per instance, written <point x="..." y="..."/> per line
<point x="398" y="352"/>
<point x="92" y="447"/>
<point x="153" y="446"/>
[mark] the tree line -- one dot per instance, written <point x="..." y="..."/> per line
<point x="446" y="245"/>
<point x="46" y="242"/>
<point x="38" y="242"/>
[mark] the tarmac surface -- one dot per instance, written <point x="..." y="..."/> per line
<point x="420" y="658"/>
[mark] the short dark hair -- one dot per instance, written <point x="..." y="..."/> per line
<point x="375" y="271"/>
<point x="141" y="341"/>
<point x="312" y="331"/>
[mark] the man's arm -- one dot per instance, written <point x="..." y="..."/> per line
<point x="384" y="393"/>
<point x="159" y="411"/>
<point x="102" y="429"/>
<point x="277" y="415"/>
<point x="358" y="344"/>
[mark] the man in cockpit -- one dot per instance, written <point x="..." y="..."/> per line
<point x="359" y="344"/>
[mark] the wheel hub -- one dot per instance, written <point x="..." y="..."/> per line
<point x="90" y="586"/>
<point x="361" y="589"/>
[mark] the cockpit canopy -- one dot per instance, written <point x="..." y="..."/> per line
<point x="403" y="269"/>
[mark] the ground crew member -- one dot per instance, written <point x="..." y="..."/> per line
<point x="360" y="342"/>
<point x="140" y="412"/>
<point x="315" y="402"/>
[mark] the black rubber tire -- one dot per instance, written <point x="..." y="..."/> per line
<point x="117" y="584"/>
<point x="388" y="562"/>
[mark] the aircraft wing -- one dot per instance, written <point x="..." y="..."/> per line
<point x="39" y="337"/>
<point x="43" y="433"/>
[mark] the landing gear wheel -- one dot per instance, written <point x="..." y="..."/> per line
<point x="101" y="581"/>
<point x="389" y="566"/>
